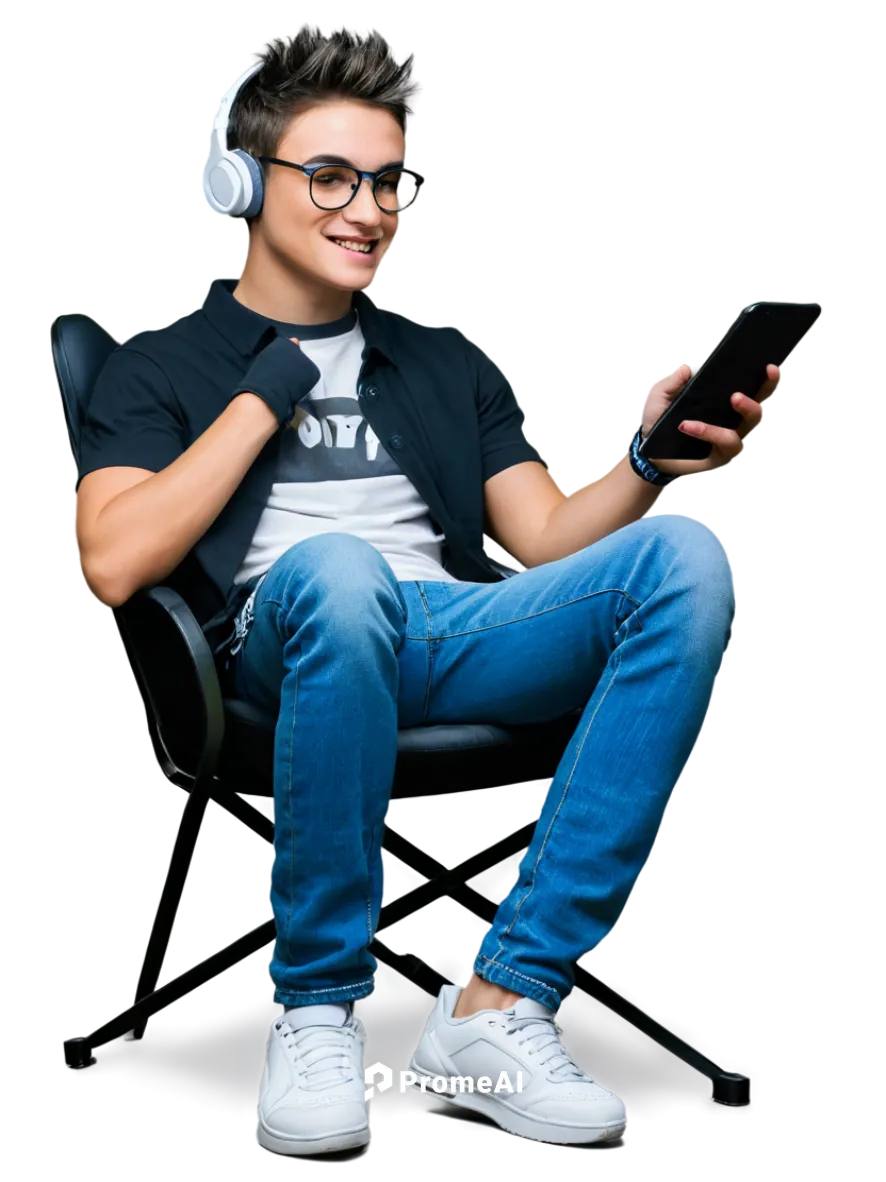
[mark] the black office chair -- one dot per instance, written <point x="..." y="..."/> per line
<point x="222" y="749"/>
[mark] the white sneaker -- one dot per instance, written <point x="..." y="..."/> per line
<point x="557" y="1101"/>
<point x="312" y="1092"/>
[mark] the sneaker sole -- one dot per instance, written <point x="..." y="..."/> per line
<point x="348" y="1139"/>
<point x="517" y="1122"/>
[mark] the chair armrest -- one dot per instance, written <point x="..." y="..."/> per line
<point x="177" y="679"/>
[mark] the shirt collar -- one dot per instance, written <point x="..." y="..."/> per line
<point x="248" y="331"/>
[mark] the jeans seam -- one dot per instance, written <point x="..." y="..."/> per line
<point x="372" y="845"/>
<point x="524" y="976"/>
<point x="544" y="611"/>
<point x="292" y="810"/>
<point x="431" y="646"/>
<point x="328" y="989"/>
<point x="566" y="787"/>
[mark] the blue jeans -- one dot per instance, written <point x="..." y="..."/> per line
<point x="631" y="630"/>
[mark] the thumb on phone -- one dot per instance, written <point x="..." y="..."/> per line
<point x="673" y="378"/>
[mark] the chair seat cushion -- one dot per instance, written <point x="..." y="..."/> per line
<point x="448" y="757"/>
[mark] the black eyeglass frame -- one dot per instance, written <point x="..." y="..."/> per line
<point x="310" y="169"/>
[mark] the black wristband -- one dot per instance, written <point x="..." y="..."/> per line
<point x="281" y="374"/>
<point x="646" y="468"/>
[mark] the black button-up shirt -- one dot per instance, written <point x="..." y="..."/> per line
<point x="434" y="399"/>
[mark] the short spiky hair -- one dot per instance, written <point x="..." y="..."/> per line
<point x="308" y="70"/>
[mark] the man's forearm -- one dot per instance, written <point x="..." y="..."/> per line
<point x="145" y="531"/>
<point x="598" y="509"/>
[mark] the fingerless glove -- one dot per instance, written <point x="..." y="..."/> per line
<point x="281" y="374"/>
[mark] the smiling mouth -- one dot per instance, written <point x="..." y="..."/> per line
<point x="354" y="248"/>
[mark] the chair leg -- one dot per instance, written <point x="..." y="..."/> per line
<point x="212" y="889"/>
<point x="447" y="882"/>
<point x="728" y="1088"/>
<point x="203" y="947"/>
<point x="78" y="1051"/>
<point x="411" y="967"/>
<point x="731" y="1089"/>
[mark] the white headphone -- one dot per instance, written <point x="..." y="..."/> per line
<point x="232" y="180"/>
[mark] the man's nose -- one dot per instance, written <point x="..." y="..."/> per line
<point x="363" y="204"/>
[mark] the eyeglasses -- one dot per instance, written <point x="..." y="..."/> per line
<point x="333" y="186"/>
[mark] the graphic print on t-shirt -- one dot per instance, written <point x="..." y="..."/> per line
<point x="328" y="439"/>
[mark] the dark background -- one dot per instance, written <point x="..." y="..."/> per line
<point x="764" y="876"/>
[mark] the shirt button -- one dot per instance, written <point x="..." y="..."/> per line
<point x="372" y="392"/>
<point x="396" y="441"/>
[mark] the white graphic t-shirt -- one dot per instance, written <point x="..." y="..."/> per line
<point x="333" y="474"/>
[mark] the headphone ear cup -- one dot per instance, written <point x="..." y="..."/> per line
<point x="253" y="185"/>
<point x="233" y="184"/>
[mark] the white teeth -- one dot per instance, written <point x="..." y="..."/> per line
<point x="363" y="247"/>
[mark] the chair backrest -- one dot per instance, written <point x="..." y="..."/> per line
<point x="80" y="348"/>
<point x="168" y="654"/>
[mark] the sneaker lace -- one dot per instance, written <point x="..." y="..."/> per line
<point x="325" y="1052"/>
<point x="559" y="1062"/>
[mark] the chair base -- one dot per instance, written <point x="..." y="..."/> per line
<point x="729" y="1088"/>
<point x="98" y="1050"/>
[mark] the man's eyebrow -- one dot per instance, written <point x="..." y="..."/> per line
<point x="328" y="158"/>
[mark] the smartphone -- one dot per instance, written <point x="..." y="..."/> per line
<point x="763" y="333"/>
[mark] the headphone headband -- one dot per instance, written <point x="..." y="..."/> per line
<point x="226" y="103"/>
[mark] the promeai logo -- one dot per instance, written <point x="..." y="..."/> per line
<point x="386" y="1078"/>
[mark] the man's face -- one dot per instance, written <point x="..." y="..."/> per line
<point x="293" y="227"/>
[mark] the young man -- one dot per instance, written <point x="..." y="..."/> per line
<point x="315" y="476"/>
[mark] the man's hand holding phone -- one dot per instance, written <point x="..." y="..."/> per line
<point x="726" y="443"/>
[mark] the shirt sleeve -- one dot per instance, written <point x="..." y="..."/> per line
<point x="502" y="441"/>
<point x="132" y="418"/>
